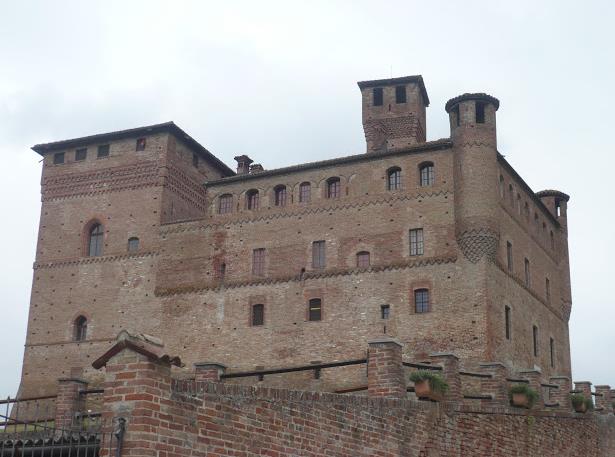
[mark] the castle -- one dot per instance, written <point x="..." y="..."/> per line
<point x="438" y="244"/>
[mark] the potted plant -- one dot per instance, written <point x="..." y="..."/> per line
<point x="523" y="396"/>
<point x="428" y="384"/>
<point x="580" y="403"/>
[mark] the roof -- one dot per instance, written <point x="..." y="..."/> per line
<point x="169" y="127"/>
<point x="444" y="143"/>
<point x="416" y="79"/>
<point x="478" y="96"/>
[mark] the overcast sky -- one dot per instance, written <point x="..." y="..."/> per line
<point x="277" y="81"/>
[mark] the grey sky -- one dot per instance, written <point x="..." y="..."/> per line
<point x="276" y="80"/>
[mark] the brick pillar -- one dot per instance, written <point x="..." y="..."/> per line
<point x="584" y="388"/>
<point x="561" y="395"/>
<point x="535" y="379"/>
<point x="450" y="373"/>
<point x="68" y="402"/>
<point x="497" y="385"/>
<point x="208" y="371"/>
<point x="604" y="401"/>
<point x="385" y="376"/>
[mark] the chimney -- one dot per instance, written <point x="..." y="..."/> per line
<point x="243" y="164"/>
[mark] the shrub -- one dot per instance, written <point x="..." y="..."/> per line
<point x="436" y="382"/>
<point x="530" y="393"/>
<point x="578" y="399"/>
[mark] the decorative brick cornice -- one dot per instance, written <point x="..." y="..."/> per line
<point x="186" y="188"/>
<point x="331" y="273"/>
<point x="88" y="260"/>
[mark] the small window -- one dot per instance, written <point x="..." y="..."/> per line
<point x="457" y="115"/>
<point x="509" y="256"/>
<point x="305" y="190"/>
<point x="80" y="329"/>
<point x="394" y="178"/>
<point x="416" y="242"/>
<point x="258" y="262"/>
<point x="195" y="160"/>
<point x="378" y="96"/>
<point x="558" y="208"/>
<point x="427" y="174"/>
<point x="501" y="186"/>
<point x="315" y="309"/>
<point x="535" y="339"/>
<point x="95" y="241"/>
<point x="58" y="158"/>
<point x="363" y="259"/>
<point x="552" y="351"/>
<point x="252" y="199"/>
<point x="552" y="240"/>
<point x="527" y="272"/>
<point x="511" y="195"/>
<point x="421" y="301"/>
<point x="318" y="254"/>
<point x="507" y="321"/>
<point x="258" y="314"/>
<point x="140" y="146"/>
<point x="81" y="154"/>
<point x="103" y="151"/>
<point x="480" y="113"/>
<point x="280" y="196"/>
<point x="133" y="244"/>
<point x="385" y="311"/>
<point x="333" y="188"/>
<point x="519" y="204"/>
<point x="400" y="94"/>
<point x="526" y="211"/>
<point x="225" y="204"/>
<point x="548" y="290"/>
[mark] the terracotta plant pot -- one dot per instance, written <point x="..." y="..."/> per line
<point x="423" y="389"/>
<point x="580" y="408"/>
<point x="520" y="400"/>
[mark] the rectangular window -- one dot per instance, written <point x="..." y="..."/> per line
<point x="258" y="262"/>
<point x="304" y="192"/>
<point x="140" y="144"/>
<point x="507" y="321"/>
<point x="421" y="301"/>
<point x="552" y="351"/>
<point x="315" y="309"/>
<point x="509" y="255"/>
<point x="535" y="338"/>
<point x="400" y="94"/>
<point x="363" y="259"/>
<point x="416" y="242"/>
<point x="103" y="151"/>
<point x="58" y="158"/>
<point x="258" y="314"/>
<point x="225" y="204"/>
<point x="527" y="273"/>
<point x="480" y="113"/>
<point x="81" y="154"/>
<point x="318" y="254"/>
<point x="548" y="289"/>
<point x="378" y="96"/>
<point x="385" y="311"/>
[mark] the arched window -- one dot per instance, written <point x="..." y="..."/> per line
<point x="80" y="329"/>
<point x="394" y="178"/>
<point x="427" y="174"/>
<point x="133" y="244"/>
<point x="305" y="192"/>
<point x="363" y="259"/>
<point x="421" y="301"/>
<point x="95" y="241"/>
<point x="258" y="314"/>
<point x="252" y="199"/>
<point x="315" y="309"/>
<point x="333" y="188"/>
<point x="501" y="186"/>
<point x="225" y="204"/>
<point x="280" y="195"/>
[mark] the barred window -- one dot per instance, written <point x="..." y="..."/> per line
<point x="305" y="190"/>
<point x="80" y="329"/>
<point x="427" y="174"/>
<point x="363" y="259"/>
<point x="140" y="146"/>
<point x="258" y="314"/>
<point x="133" y="244"/>
<point x="58" y="158"/>
<point x="280" y="195"/>
<point x="421" y="301"/>
<point x="416" y="242"/>
<point x="318" y="254"/>
<point x="258" y="262"/>
<point x="103" y="151"/>
<point x="333" y="188"/>
<point x="252" y="199"/>
<point x="315" y="309"/>
<point x="225" y="204"/>
<point x="95" y="242"/>
<point x="378" y="96"/>
<point x="81" y="154"/>
<point x="394" y="178"/>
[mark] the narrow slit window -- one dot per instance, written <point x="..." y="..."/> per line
<point x="400" y="94"/>
<point x="548" y="290"/>
<point x="195" y="160"/>
<point x="507" y="322"/>
<point x="457" y="115"/>
<point x="552" y="351"/>
<point x="535" y="340"/>
<point x="378" y="96"/>
<point x="509" y="255"/>
<point x="416" y="242"/>
<point x="480" y="113"/>
<point x="421" y="301"/>
<point x="258" y="314"/>
<point x="501" y="186"/>
<point x="315" y="309"/>
<point x="552" y="240"/>
<point x="527" y="273"/>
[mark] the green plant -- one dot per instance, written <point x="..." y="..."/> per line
<point x="577" y="400"/>
<point x="526" y="390"/>
<point x="436" y="382"/>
